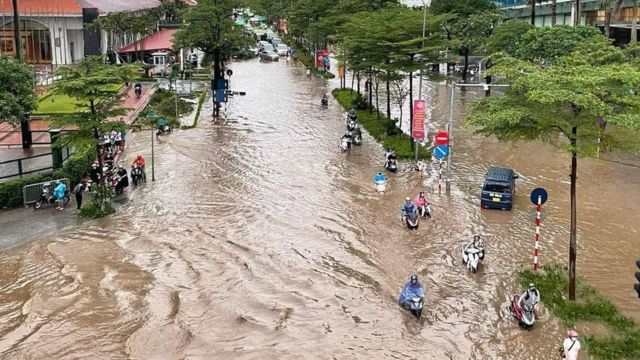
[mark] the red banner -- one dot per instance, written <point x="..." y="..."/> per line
<point x="320" y="55"/>
<point x="419" y="109"/>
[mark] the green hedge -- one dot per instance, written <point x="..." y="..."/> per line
<point x="74" y="169"/>
<point x="382" y="129"/>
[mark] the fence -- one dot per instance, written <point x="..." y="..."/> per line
<point x="31" y="164"/>
<point x="31" y="193"/>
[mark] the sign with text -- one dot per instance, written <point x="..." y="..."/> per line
<point x="419" y="109"/>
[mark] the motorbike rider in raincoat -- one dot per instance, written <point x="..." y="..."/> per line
<point x="407" y="208"/>
<point x="411" y="290"/>
<point x="421" y="201"/>
<point x="139" y="162"/>
<point x="379" y="178"/>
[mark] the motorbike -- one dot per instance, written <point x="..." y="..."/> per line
<point x="138" y="92"/>
<point x="525" y="316"/>
<point x="357" y="139"/>
<point x="345" y="144"/>
<point x="161" y="129"/>
<point x="47" y="197"/>
<point x="324" y="102"/>
<point x="351" y="117"/>
<point x="425" y="211"/>
<point x="411" y="220"/>
<point x="381" y="186"/>
<point x="471" y="257"/>
<point x="351" y="125"/>
<point x="136" y="175"/>
<point x="391" y="165"/>
<point x="415" y="305"/>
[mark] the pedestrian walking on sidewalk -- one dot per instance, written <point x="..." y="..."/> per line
<point x="78" y="190"/>
<point x="570" y="346"/>
<point x="122" y="135"/>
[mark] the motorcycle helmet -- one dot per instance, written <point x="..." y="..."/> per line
<point x="407" y="199"/>
<point x="572" y="333"/>
<point x="421" y="193"/>
<point x="414" y="278"/>
<point x="532" y="286"/>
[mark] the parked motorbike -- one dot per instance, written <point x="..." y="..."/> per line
<point x="357" y="139"/>
<point x="47" y="196"/>
<point x="524" y="315"/>
<point x="351" y="125"/>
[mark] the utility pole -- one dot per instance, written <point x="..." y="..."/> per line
<point x="424" y="28"/>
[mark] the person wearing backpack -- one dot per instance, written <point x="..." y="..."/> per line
<point x="570" y="346"/>
<point x="78" y="190"/>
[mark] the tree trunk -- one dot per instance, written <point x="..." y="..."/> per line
<point x="572" y="237"/>
<point x="358" y="78"/>
<point x="576" y="20"/>
<point x="377" y="103"/>
<point x="607" y="22"/>
<point x="388" y="97"/>
<point x="370" y="92"/>
<point x="217" y="75"/>
<point x="533" y="12"/>
<point x="554" y="12"/>
<point x="353" y="78"/>
<point x="411" y="107"/>
<point x="465" y="69"/>
<point x="634" y="30"/>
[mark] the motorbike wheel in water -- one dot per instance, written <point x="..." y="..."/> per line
<point x="37" y="205"/>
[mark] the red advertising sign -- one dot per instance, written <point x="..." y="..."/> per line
<point x="419" y="109"/>
<point x="442" y="138"/>
<point x="320" y="55"/>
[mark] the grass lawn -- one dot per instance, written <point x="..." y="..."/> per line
<point x="622" y="338"/>
<point x="382" y="129"/>
<point x="62" y="104"/>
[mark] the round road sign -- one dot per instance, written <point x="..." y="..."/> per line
<point x="441" y="151"/>
<point x="442" y="138"/>
<point x="229" y="72"/>
<point x="541" y="193"/>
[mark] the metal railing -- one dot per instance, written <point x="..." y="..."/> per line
<point x="31" y="193"/>
<point x="26" y="165"/>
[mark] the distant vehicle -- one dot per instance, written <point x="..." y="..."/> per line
<point x="267" y="47"/>
<point x="282" y="49"/>
<point x="269" y="55"/>
<point x="498" y="189"/>
<point x="262" y="44"/>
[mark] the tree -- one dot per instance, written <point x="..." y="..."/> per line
<point x="566" y="97"/>
<point x="95" y="85"/>
<point x="468" y="25"/>
<point x="507" y="37"/>
<point x="546" y="44"/>
<point x="17" y="98"/>
<point x="610" y="6"/>
<point x="209" y="28"/>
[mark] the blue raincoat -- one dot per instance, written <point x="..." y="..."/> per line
<point x="410" y="291"/>
<point x="379" y="178"/>
<point x="59" y="191"/>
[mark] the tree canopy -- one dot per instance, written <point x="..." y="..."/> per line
<point x="461" y="7"/>
<point x="17" y="98"/>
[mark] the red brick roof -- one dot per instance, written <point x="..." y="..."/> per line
<point x="42" y="7"/>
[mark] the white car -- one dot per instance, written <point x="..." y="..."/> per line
<point x="282" y="49"/>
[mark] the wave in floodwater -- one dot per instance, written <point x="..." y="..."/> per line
<point x="260" y="239"/>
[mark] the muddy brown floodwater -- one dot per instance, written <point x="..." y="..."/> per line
<point x="260" y="240"/>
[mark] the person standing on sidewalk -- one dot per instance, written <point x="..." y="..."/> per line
<point x="78" y="190"/>
<point x="58" y="192"/>
<point x="570" y="346"/>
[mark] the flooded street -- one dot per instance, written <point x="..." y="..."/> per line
<point x="260" y="240"/>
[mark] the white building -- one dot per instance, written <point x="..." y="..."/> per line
<point x="57" y="32"/>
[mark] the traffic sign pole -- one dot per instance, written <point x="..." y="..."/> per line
<point x="536" y="246"/>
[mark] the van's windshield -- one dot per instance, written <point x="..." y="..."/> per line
<point x="496" y="187"/>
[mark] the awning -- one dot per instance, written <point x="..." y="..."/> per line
<point x="161" y="40"/>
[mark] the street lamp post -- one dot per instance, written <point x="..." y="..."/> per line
<point x="424" y="28"/>
<point x="152" y="116"/>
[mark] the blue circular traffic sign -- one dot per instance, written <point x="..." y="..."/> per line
<point x="539" y="193"/>
<point x="441" y="151"/>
